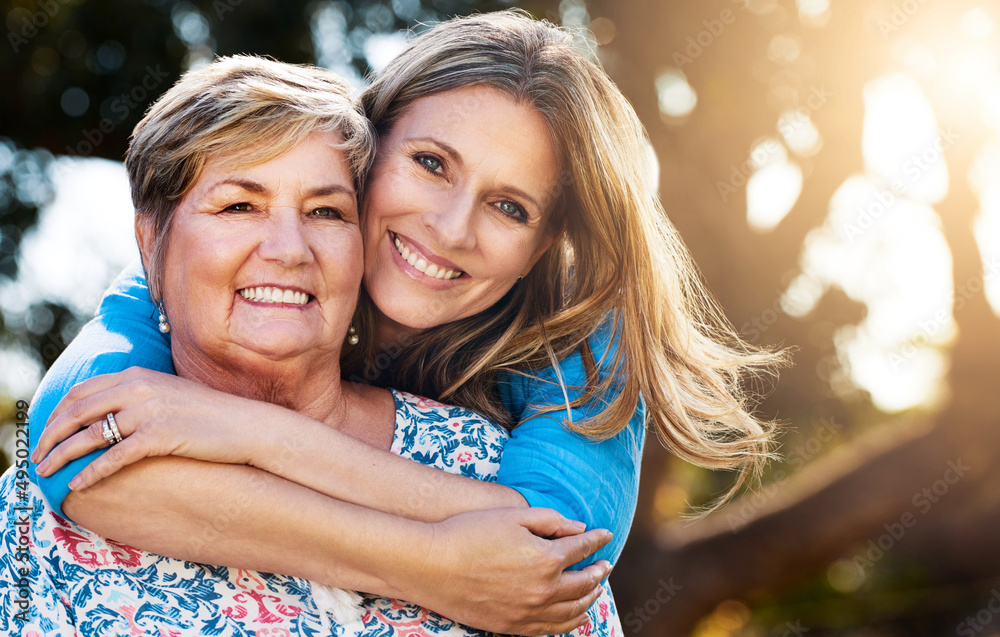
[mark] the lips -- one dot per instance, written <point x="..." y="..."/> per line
<point x="275" y="295"/>
<point x="423" y="264"/>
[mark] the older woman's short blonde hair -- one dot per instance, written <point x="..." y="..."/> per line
<point x="248" y="107"/>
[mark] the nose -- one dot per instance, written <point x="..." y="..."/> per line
<point x="451" y="219"/>
<point x="285" y="241"/>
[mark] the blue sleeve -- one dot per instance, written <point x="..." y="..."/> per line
<point x="123" y="334"/>
<point x="596" y="483"/>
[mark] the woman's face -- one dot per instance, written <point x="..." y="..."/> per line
<point x="457" y="205"/>
<point x="264" y="262"/>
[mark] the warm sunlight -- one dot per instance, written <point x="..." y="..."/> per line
<point x="882" y="244"/>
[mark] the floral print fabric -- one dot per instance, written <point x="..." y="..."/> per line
<point x="60" y="579"/>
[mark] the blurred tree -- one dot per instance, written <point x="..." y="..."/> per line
<point x="797" y="527"/>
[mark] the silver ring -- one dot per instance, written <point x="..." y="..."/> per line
<point x="109" y="436"/>
<point x="114" y="428"/>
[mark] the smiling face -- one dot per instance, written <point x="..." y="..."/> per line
<point x="457" y="206"/>
<point x="263" y="262"/>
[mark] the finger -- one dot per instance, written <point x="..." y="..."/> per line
<point x="81" y="413"/>
<point x="568" y="528"/>
<point x="76" y="446"/>
<point x="87" y="388"/>
<point x="576" y="584"/>
<point x="117" y="457"/>
<point x="557" y="628"/>
<point x="569" y="612"/>
<point x="549" y="523"/>
<point x="578" y="547"/>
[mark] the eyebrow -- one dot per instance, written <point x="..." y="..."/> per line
<point x="447" y="148"/>
<point x="450" y="150"/>
<point x="260" y="189"/>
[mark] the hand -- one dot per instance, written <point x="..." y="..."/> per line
<point x="495" y="570"/>
<point x="157" y="415"/>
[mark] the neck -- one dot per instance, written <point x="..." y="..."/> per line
<point x="314" y="389"/>
<point x="389" y="333"/>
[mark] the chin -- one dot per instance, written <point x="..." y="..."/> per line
<point x="277" y="349"/>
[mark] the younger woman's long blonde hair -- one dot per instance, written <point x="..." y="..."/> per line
<point x="619" y="259"/>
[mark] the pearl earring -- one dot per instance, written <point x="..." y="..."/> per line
<point x="164" y="324"/>
<point x="352" y="335"/>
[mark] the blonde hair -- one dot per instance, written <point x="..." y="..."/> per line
<point x="249" y="107"/>
<point x="619" y="259"/>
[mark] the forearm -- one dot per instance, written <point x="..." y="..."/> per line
<point x="207" y="425"/>
<point x="488" y="569"/>
<point x="333" y="463"/>
<point x="402" y="487"/>
<point x="245" y="518"/>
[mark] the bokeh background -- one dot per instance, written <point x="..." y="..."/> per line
<point x="833" y="167"/>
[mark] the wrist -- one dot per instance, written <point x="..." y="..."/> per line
<point x="406" y="575"/>
<point x="275" y="440"/>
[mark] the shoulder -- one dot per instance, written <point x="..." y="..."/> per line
<point x="522" y="390"/>
<point x="122" y="335"/>
<point x="447" y="437"/>
<point x="128" y="295"/>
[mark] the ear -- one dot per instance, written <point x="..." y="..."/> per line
<point x="144" y="237"/>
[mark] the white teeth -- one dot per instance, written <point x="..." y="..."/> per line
<point x="432" y="270"/>
<point x="274" y="295"/>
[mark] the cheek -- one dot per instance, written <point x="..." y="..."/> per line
<point x="345" y="262"/>
<point x="391" y="195"/>
<point x="514" y="255"/>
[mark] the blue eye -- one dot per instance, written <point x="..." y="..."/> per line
<point x="430" y="162"/>
<point x="511" y="209"/>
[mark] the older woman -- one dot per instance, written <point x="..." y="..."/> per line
<point x="518" y="263"/>
<point x="245" y="177"/>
